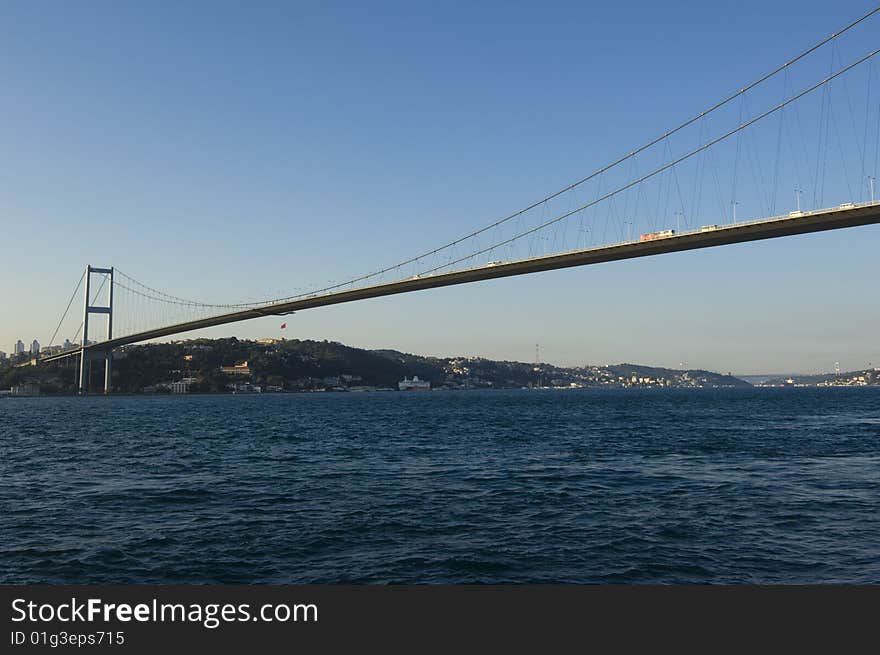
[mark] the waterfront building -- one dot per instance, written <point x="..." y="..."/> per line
<point x="26" y="389"/>
<point x="414" y="385"/>
<point x="244" y="387"/>
<point x="19" y="347"/>
<point x="241" y="368"/>
<point x="35" y="347"/>
<point x="180" y="387"/>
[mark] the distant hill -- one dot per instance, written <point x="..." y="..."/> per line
<point x="217" y="365"/>
<point x="705" y="378"/>
<point x="863" y="378"/>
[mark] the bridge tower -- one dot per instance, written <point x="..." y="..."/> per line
<point x="87" y="356"/>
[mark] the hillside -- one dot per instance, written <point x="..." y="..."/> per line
<point x="862" y="378"/>
<point x="217" y="365"/>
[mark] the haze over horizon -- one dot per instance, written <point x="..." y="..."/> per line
<point x="233" y="153"/>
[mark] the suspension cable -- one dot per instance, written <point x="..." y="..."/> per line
<point x="67" y="309"/>
<point x="182" y="301"/>
<point x="620" y="160"/>
<point x="665" y="167"/>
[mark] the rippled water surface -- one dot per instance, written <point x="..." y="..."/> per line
<point x="764" y="485"/>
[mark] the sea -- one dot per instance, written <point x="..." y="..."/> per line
<point x="665" y="486"/>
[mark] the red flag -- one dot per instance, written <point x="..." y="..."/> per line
<point x="283" y="325"/>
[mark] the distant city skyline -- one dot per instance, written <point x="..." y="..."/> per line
<point x="266" y="151"/>
<point x="20" y="346"/>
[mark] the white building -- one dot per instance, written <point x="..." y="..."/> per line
<point x="414" y="385"/>
<point x="182" y="386"/>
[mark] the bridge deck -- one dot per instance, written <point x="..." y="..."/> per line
<point x="801" y="223"/>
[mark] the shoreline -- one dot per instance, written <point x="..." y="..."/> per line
<point x="420" y="393"/>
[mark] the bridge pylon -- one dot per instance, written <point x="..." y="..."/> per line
<point x="87" y="356"/>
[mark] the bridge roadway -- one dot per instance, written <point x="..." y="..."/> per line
<point x="849" y="215"/>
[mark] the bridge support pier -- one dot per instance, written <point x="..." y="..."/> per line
<point x="87" y="355"/>
<point x="86" y="358"/>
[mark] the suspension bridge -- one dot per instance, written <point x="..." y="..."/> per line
<point x="794" y="152"/>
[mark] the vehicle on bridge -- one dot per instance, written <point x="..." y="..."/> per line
<point x="663" y="234"/>
<point x="709" y="228"/>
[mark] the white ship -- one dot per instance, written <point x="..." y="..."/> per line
<point x="414" y="385"/>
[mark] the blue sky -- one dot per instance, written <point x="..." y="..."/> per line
<point x="231" y="152"/>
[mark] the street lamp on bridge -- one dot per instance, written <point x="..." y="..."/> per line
<point x="678" y="216"/>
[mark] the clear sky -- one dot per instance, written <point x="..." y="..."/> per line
<point x="236" y="151"/>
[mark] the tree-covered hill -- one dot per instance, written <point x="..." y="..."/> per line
<point x="217" y="365"/>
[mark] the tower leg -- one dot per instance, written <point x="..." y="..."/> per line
<point x="83" y="382"/>
<point x="82" y="373"/>
<point x="108" y="359"/>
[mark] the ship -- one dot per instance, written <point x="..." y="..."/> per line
<point x="414" y="385"/>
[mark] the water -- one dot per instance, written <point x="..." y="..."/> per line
<point x="662" y="486"/>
